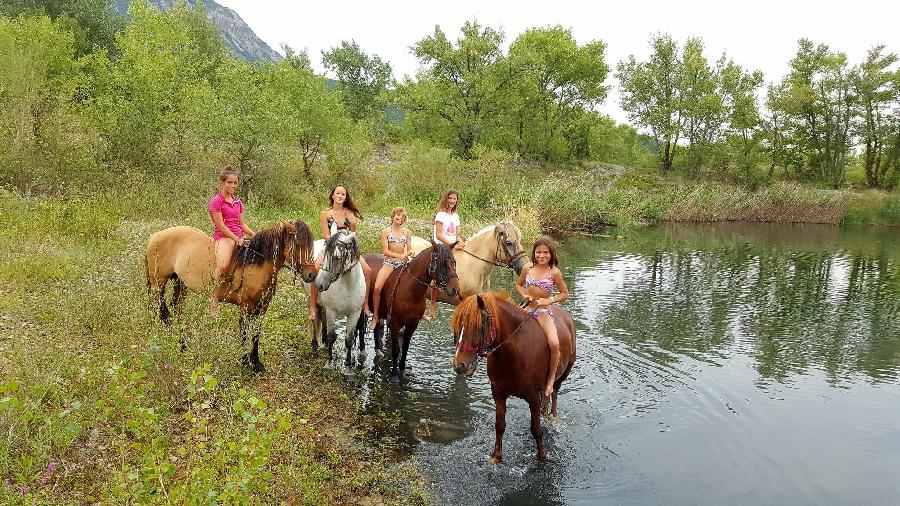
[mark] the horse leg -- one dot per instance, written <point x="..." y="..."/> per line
<point x="330" y="330"/>
<point x="360" y="330"/>
<point x="500" y="427"/>
<point x="179" y="290"/>
<point x="535" y="407"/>
<point x="395" y="347"/>
<point x="164" y="315"/>
<point x="255" y="363"/>
<point x="379" y="338"/>
<point x="351" y="334"/>
<point x="408" y="331"/>
<point x="242" y="329"/>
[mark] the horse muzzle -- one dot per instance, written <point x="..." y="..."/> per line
<point x="519" y="264"/>
<point x="323" y="283"/>
<point x="309" y="277"/>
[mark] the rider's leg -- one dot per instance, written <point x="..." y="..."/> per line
<point x="376" y="295"/>
<point x="224" y="248"/>
<point x="549" y="327"/>
<point x="367" y="273"/>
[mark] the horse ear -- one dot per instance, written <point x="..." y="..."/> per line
<point x="480" y="302"/>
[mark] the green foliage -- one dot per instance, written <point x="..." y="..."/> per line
<point x="460" y="86"/>
<point x="816" y="104"/>
<point x="362" y="79"/>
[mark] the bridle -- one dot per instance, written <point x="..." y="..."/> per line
<point x="349" y="249"/>
<point x="292" y="247"/>
<point x="485" y="345"/>
<point x="437" y="270"/>
<point x="501" y="250"/>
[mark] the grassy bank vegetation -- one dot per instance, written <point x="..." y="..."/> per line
<point x="112" y="131"/>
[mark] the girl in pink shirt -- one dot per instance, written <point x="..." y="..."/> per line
<point x="227" y="214"/>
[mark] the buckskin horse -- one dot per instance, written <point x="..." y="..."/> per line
<point x="403" y="296"/>
<point x="518" y="357"/>
<point x="185" y="255"/>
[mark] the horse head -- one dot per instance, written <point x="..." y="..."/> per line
<point x="509" y="241"/>
<point x="340" y="255"/>
<point x="443" y="268"/>
<point x="297" y="249"/>
<point x="474" y="332"/>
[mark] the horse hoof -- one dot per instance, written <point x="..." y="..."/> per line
<point x="496" y="459"/>
<point x="542" y="456"/>
<point x="259" y="368"/>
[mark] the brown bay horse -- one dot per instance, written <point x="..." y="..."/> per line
<point x="518" y="356"/>
<point x="403" y="296"/>
<point x="185" y="255"/>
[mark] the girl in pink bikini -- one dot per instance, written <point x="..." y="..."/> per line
<point x="229" y="230"/>
<point x="535" y="285"/>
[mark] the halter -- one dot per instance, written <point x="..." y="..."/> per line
<point x="433" y="270"/>
<point x="486" y="347"/>
<point x="334" y="243"/>
<point x="292" y="247"/>
<point x="501" y="248"/>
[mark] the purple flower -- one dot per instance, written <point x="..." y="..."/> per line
<point x="51" y="468"/>
<point x="23" y="489"/>
<point x="166" y="365"/>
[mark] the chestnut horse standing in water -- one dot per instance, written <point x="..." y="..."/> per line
<point x="186" y="256"/>
<point x="518" y="356"/>
<point x="403" y="296"/>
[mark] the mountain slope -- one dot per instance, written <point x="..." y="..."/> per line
<point x="242" y="41"/>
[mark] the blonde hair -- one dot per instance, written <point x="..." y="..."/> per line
<point x="399" y="210"/>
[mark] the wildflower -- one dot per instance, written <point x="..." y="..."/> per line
<point x="166" y="366"/>
<point x="51" y="468"/>
<point x="23" y="489"/>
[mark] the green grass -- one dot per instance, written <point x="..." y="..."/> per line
<point x="97" y="403"/>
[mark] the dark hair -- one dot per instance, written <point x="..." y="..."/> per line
<point x="548" y="242"/>
<point x="444" y="205"/>
<point x="226" y="172"/>
<point x="348" y="202"/>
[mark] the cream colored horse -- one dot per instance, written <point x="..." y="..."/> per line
<point x="494" y="245"/>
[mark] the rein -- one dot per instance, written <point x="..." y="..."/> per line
<point x="510" y="262"/>
<point x="487" y="348"/>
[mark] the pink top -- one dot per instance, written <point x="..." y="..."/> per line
<point x="231" y="215"/>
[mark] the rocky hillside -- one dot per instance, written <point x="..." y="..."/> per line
<point x="242" y="41"/>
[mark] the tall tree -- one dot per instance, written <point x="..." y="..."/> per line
<point x="556" y="80"/>
<point x="650" y="95"/>
<point x="700" y="102"/>
<point x="361" y="78"/>
<point x="877" y="87"/>
<point x="817" y="103"/>
<point x="460" y="84"/>
<point x="312" y="118"/>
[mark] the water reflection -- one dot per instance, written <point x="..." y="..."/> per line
<point x="750" y="364"/>
<point x="791" y="309"/>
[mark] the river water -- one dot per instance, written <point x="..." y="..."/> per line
<point x="732" y="363"/>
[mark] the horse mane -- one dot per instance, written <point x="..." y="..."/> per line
<point x="467" y="318"/>
<point x="267" y="244"/>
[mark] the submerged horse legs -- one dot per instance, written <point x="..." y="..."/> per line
<point x="535" y="407"/>
<point x="500" y="426"/>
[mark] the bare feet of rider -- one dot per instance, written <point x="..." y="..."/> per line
<point x="373" y="323"/>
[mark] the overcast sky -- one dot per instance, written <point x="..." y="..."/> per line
<point x="759" y="34"/>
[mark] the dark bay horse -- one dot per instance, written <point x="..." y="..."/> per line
<point x="403" y="296"/>
<point x="518" y="356"/>
<point x="185" y="255"/>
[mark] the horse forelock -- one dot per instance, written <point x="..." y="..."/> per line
<point x="347" y="243"/>
<point x="468" y="320"/>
